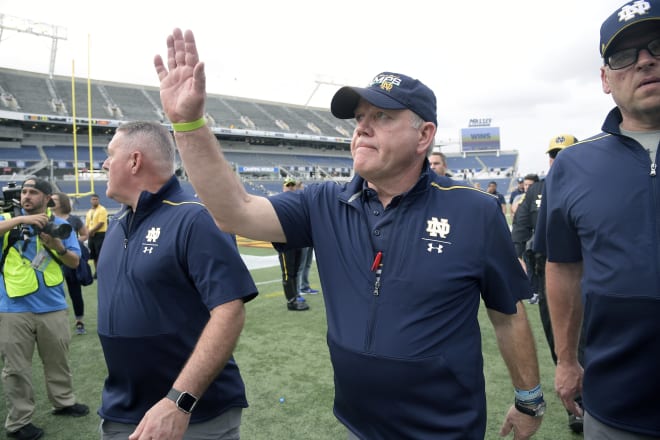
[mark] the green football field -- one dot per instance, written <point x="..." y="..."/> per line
<point x="284" y="361"/>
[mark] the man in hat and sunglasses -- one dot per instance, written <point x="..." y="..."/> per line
<point x="599" y="226"/>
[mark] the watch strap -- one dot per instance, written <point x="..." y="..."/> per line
<point x="185" y="401"/>
<point x="535" y="410"/>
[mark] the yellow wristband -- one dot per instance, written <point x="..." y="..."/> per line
<point x="189" y="126"/>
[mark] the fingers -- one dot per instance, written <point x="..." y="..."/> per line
<point x="161" y="71"/>
<point x="181" y="51"/>
<point x="572" y="406"/>
<point x="138" y="431"/>
<point x="190" y="49"/>
<point x="177" y="50"/>
<point x="199" y="78"/>
<point x="171" y="48"/>
<point x="506" y="428"/>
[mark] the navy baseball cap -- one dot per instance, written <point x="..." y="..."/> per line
<point x="628" y="15"/>
<point x="392" y="91"/>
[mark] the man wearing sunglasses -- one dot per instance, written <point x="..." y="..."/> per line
<point x="600" y="226"/>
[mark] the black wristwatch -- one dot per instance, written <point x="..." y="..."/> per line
<point x="534" y="409"/>
<point x="185" y="401"/>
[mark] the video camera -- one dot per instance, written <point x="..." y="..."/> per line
<point x="61" y="231"/>
<point x="11" y="202"/>
<point x="11" y="199"/>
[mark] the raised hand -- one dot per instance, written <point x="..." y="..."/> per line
<point x="183" y="81"/>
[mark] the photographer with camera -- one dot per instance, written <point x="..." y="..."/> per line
<point x="33" y="308"/>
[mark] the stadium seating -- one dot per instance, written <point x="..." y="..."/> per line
<point x="80" y="204"/>
<point x="308" y="143"/>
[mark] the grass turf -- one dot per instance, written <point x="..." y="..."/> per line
<point x="284" y="354"/>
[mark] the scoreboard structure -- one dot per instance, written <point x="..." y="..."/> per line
<point x="480" y="136"/>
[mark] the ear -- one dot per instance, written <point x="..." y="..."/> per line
<point x="135" y="161"/>
<point x="604" y="80"/>
<point x="426" y="136"/>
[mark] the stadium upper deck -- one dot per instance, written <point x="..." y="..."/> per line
<point x="264" y="140"/>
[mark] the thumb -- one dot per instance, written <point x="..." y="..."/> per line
<point x="199" y="77"/>
<point x="136" y="434"/>
<point x="506" y="428"/>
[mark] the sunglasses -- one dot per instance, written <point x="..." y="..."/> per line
<point x="628" y="57"/>
<point x="553" y="153"/>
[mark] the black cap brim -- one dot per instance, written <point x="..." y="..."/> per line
<point x="347" y="98"/>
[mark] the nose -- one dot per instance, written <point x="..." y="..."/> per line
<point x="645" y="56"/>
<point x="362" y="126"/>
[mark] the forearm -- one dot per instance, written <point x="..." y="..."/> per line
<point x="7" y="225"/>
<point x="517" y="347"/>
<point x="565" y="305"/>
<point x="218" y="186"/>
<point x="83" y="236"/>
<point x="95" y="228"/>
<point x="214" y="348"/>
<point x="66" y="256"/>
<point x="69" y="259"/>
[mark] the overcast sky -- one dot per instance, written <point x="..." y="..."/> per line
<point x="532" y="67"/>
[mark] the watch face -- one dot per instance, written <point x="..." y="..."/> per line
<point x="534" y="411"/>
<point x="186" y="402"/>
<point x="540" y="410"/>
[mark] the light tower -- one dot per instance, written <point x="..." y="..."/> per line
<point x="51" y="31"/>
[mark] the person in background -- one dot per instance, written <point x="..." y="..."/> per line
<point x="528" y="180"/>
<point x="517" y="192"/>
<point x="62" y="209"/>
<point x="404" y="337"/>
<point x="492" y="189"/>
<point x="171" y="294"/>
<point x="290" y="265"/>
<point x="598" y="226"/>
<point x="438" y="163"/>
<point x="306" y="259"/>
<point x="522" y="233"/>
<point x="33" y="309"/>
<point x="97" y="223"/>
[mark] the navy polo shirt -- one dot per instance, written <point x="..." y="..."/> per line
<point x="405" y="344"/>
<point x="161" y="270"/>
<point x="601" y="206"/>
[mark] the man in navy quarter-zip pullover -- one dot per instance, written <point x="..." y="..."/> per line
<point x="171" y="292"/>
<point x="405" y="345"/>
<point x="599" y="225"/>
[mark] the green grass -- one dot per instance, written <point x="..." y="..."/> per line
<point x="284" y="354"/>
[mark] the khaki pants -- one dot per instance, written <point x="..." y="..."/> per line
<point x="19" y="333"/>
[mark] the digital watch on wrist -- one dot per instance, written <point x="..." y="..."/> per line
<point x="185" y="401"/>
<point x="536" y="409"/>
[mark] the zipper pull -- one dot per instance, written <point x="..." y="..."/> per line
<point x="376" y="267"/>
<point x="377" y="286"/>
<point x="653" y="167"/>
<point x="125" y="243"/>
